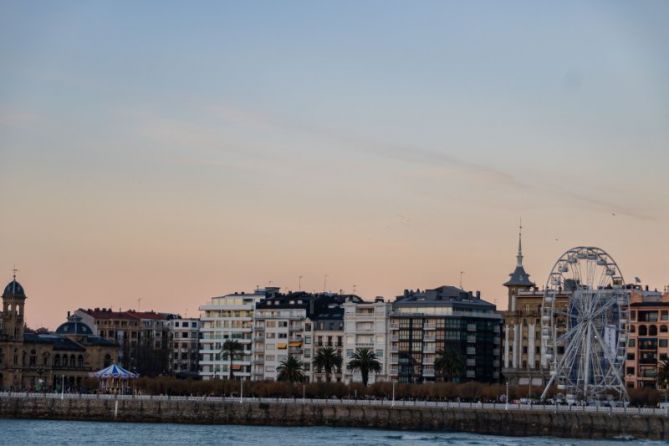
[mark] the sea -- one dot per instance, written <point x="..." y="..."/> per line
<point x="69" y="433"/>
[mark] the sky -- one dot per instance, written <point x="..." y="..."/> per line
<point x="174" y="151"/>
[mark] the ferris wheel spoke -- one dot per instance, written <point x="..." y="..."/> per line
<point x="592" y="328"/>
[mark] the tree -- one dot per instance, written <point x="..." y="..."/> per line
<point x="327" y="358"/>
<point x="448" y="364"/>
<point x="230" y="350"/>
<point x="364" y="360"/>
<point x="291" y="370"/>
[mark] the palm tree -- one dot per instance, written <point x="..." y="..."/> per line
<point x="448" y="364"/>
<point x="327" y="359"/>
<point x="364" y="359"/>
<point x="230" y="349"/>
<point x="291" y="370"/>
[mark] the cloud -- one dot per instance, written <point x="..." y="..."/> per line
<point x="193" y="136"/>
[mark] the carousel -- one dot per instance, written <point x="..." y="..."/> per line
<point x="114" y="379"/>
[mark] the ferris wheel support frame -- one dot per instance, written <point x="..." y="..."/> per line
<point x="598" y="308"/>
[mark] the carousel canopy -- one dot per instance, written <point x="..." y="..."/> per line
<point x="114" y="371"/>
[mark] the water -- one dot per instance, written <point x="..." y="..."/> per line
<point x="72" y="433"/>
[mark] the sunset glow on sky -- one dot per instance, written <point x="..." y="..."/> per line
<point x="176" y="151"/>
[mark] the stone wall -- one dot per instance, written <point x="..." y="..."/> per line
<point x="494" y="422"/>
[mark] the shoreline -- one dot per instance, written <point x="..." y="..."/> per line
<point x="467" y="419"/>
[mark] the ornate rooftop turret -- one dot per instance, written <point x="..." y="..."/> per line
<point x="519" y="278"/>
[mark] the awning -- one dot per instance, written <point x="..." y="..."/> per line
<point x="281" y="346"/>
<point x="114" y="371"/>
<point x="295" y="344"/>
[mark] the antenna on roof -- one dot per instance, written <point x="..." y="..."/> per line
<point x="299" y="283"/>
<point x="139" y="303"/>
<point x="354" y="288"/>
<point x="461" y="274"/>
<point x="325" y="283"/>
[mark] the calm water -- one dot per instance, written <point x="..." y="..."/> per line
<point x="31" y="432"/>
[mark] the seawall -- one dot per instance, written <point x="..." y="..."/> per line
<point x="577" y="424"/>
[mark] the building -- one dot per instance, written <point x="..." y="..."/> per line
<point x="449" y="319"/>
<point x="648" y="344"/>
<point x="366" y="325"/>
<point x="142" y="336"/>
<point x="228" y="317"/>
<point x="44" y="361"/>
<point x="523" y="360"/>
<point x="279" y="331"/>
<point x="324" y="328"/>
<point x="184" y="335"/>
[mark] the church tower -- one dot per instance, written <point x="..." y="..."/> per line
<point x="519" y="279"/>
<point x="13" y="302"/>
<point x="11" y="335"/>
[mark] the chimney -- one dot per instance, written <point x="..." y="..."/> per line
<point x="378" y="299"/>
<point x="478" y="295"/>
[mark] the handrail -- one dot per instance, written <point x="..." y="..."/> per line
<point x="469" y="406"/>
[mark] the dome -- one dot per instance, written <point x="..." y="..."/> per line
<point x="74" y="327"/>
<point x="14" y="289"/>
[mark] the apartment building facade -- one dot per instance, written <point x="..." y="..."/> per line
<point x="184" y="337"/>
<point x="366" y="325"/>
<point x="228" y="317"/>
<point x="142" y="336"/>
<point x="648" y="343"/>
<point x="449" y="319"/>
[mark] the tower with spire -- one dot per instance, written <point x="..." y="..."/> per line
<point x="519" y="280"/>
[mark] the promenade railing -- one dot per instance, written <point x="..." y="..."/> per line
<point x="349" y="402"/>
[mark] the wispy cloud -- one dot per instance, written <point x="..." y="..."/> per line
<point x="203" y="142"/>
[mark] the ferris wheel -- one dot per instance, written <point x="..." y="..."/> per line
<point x="584" y="326"/>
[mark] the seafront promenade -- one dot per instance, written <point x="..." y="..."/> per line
<point x="484" y="418"/>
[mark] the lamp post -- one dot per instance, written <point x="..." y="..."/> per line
<point x="392" y="404"/>
<point x="241" y="390"/>
<point x="506" y="400"/>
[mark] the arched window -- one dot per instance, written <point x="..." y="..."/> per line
<point x="33" y="358"/>
<point x="652" y="331"/>
<point x="73" y="361"/>
<point x="45" y="358"/>
<point x="80" y="361"/>
<point x="56" y="360"/>
<point x="108" y="360"/>
<point x="643" y="331"/>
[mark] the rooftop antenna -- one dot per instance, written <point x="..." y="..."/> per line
<point x="461" y="274"/>
<point x="354" y="288"/>
<point x="325" y="283"/>
<point x="139" y="303"/>
<point x="299" y="283"/>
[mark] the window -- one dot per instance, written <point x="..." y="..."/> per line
<point x="643" y="331"/>
<point x="663" y="342"/>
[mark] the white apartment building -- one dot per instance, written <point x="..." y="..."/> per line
<point x="366" y="325"/>
<point x="279" y="331"/>
<point x="184" y="346"/>
<point x="228" y="317"/>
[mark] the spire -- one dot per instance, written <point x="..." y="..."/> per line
<point x="519" y="278"/>
<point x="519" y="257"/>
